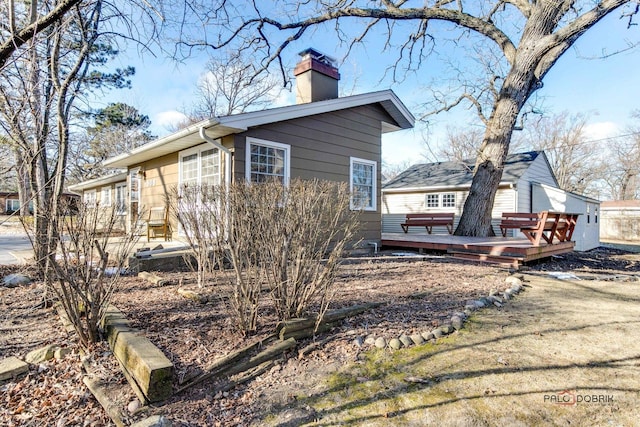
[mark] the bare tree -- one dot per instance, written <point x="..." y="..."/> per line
<point x="230" y="85"/>
<point x="461" y="144"/>
<point x="391" y="170"/>
<point x="622" y="166"/>
<point x="23" y="21"/>
<point x="7" y="168"/>
<point x="563" y="139"/>
<point x="520" y="41"/>
<point x="38" y="92"/>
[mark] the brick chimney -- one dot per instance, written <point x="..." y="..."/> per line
<point x="316" y="77"/>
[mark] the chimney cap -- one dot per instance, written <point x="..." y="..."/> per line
<point x="318" y="56"/>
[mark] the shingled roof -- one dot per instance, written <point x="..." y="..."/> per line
<point x="457" y="174"/>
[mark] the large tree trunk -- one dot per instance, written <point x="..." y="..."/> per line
<point x="518" y="86"/>
<point x="476" y="216"/>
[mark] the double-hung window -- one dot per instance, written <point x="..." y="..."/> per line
<point x="200" y="166"/>
<point x="105" y="196"/>
<point x="362" y="178"/>
<point x="121" y="198"/>
<point x="267" y="161"/>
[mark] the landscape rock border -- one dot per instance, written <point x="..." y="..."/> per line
<point x="456" y="322"/>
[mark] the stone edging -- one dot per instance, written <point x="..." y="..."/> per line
<point x="495" y="298"/>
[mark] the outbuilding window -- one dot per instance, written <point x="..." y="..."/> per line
<point x="440" y="200"/>
<point x="432" y="201"/>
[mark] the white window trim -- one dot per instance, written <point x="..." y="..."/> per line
<point x="265" y="143"/>
<point x="426" y="201"/>
<point x="455" y="200"/>
<point x="123" y="186"/>
<point x="374" y="199"/>
<point x="440" y="200"/>
<point x="102" y="193"/>
<point x="197" y="150"/>
<point x="90" y="197"/>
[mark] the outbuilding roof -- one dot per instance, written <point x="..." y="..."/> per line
<point x="457" y="173"/>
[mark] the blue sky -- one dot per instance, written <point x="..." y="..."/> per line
<point x="606" y="89"/>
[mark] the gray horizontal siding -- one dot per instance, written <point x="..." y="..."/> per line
<point x="321" y="148"/>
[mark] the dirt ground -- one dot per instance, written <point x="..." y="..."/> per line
<point x="341" y="382"/>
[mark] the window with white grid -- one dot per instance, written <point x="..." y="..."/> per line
<point x="432" y="201"/>
<point x="449" y="200"/>
<point x="267" y="160"/>
<point x="200" y="165"/>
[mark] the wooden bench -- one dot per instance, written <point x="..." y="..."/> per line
<point x="429" y="220"/>
<point x="540" y="225"/>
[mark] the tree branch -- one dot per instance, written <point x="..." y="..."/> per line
<point x="558" y="42"/>
<point x="17" y="40"/>
<point x="395" y="13"/>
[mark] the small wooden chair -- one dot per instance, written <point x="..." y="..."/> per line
<point x="158" y="223"/>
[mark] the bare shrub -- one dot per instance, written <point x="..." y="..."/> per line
<point x="289" y="240"/>
<point x="88" y="266"/>
<point x="304" y="242"/>
<point x="196" y="208"/>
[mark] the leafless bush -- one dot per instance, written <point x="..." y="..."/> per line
<point x="304" y="241"/>
<point x="197" y="210"/>
<point x="287" y="239"/>
<point x="88" y="266"/>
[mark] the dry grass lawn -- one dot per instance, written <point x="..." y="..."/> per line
<point x="562" y="353"/>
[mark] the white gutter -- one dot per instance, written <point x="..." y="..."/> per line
<point x="227" y="157"/>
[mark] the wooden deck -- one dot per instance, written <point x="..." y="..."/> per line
<point x="506" y="251"/>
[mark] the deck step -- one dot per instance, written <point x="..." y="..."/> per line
<point x="506" y="261"/>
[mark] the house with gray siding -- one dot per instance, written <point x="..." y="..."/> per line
<point x="527" y="185"/>
<point x="322" y="136"/>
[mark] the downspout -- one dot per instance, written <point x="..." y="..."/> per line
<point x="227" y="155"/>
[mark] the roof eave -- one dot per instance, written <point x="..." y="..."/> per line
<point x="226" y="125"/>
<point x="96" y="182"/>
<point x="459" y="187"/>
<point x="181" y="140"/>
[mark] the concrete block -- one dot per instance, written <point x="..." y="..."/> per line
<point x="144" y="365"/>
<point x="11" y="367"/>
